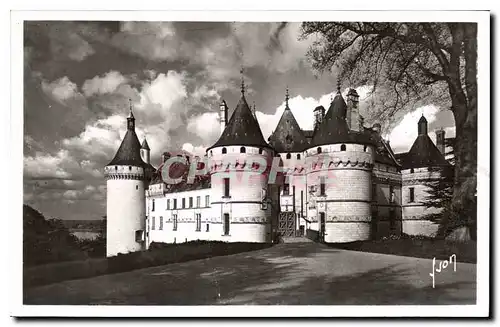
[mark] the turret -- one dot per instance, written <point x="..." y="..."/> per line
<point x="125" y="195"/>
<point x="145" y="151"/>
<point x="223" y="116"/>
<point x="238" y="183"/>
<point x="422" y="126"/>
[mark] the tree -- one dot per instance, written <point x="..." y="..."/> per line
<point x="412" y="63"/>
<point x="47" y="241"/>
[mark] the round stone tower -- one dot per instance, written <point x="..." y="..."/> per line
<point x="125" y="196"/>
<point x="239" y="182"/>
<point x="339" y="165"/>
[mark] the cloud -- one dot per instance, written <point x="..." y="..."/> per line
<point x="206" y="126"/>
<point x="61" y="89"/>
<point x="108" y="83"/>
<point x="65" y="42"/>
<point x="156" y="41"/>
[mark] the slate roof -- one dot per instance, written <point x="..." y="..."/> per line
<point x="288" y="136"/>
<point x="423" y="153"/>
<point x="129" y="152"/>
<point x="242" y="128"/>
<point x="334" y="129"/>
<point x="383" y="151"/>
<point x="181" y="170"/>
<point x="145" y="145"/>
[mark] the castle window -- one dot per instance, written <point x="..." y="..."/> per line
<point x="412" y="194"/>
<point x="174" y="218"/>
<point x="224" y="150"/>
<point x="183" y="203"/>
<point x="153" y="205"/>
<point x="198" y="201"/>
<point x="208" y="227"/>
<point x="243" y="149"/>
<point x="129" y="167"/>
<point x="168" y="204"/>
<point x="322" y="186"/>
<point x="288" y="155"/>
<point x="342" y="147"/>
<point x="412" y="171"/>
<point x="298" y="156"/>
<point x="198" y="222"/>
<point x="261" y="151"/>
<point x="319" y="149"/>
<point x="207" y="200"/>
<point x="175" y="203"/>
<point x="211" y="153"/>
<point x="226" y="187"/>
<point x="152" y="223"/>
<point x="286" y="189"/>
<point x="161" y="223"/>
<point x="137" y="187"/>
<point x="190" y="201"/>
<point x="116" y="167"/>
<point x="226" y="224"/>
<point x="364" y="148"/>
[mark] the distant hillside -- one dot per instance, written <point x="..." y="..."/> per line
<point x="88" y="225"/>
<point x="47" y="240"/>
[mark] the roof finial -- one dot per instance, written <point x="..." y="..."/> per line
<point x="287" y="96"/>
<point x="242" y="82"/>
<point x="130" y="115"/>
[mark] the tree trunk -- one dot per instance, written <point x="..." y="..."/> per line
<point x="462" y="212"/>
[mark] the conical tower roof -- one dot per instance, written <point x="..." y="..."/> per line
<point x="242" y="128"/>
<point x="145" y="145"/>
<point x="423" y="153"/>
<point x="334" y="129"/>
<point x="129" y="152"/>
<point x="288" y="136"/>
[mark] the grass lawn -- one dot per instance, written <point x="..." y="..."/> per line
<point x="414" y="247"/>
<point x="158" y="255"/>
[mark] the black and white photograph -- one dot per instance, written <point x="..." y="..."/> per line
<point x="255" y="164"/>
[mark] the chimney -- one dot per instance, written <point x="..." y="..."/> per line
<point x="223" y="116"/>
<point x="319" y="114"/>
<point x="440" y="140"/>
<point x="352" y="115"/>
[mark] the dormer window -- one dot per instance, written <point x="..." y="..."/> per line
<point x="319" y="150"/>
<point x="364" y="148"/>
<point x="261" y="151"/>
<point x="412" y="171"/>
<point x="224" y="150"/>
<point x="288" y="155"/>
<point x="342" y="147"/>
<point x="243" y="149"/>
<point x="298" y="156"/>
<point x="129" y="167"/>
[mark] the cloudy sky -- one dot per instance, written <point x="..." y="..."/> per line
<point x="79" y="77"/>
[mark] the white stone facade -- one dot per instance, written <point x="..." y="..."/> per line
<point x="125" y="209"/>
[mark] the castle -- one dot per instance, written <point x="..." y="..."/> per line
<point x="340" y="182"/>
